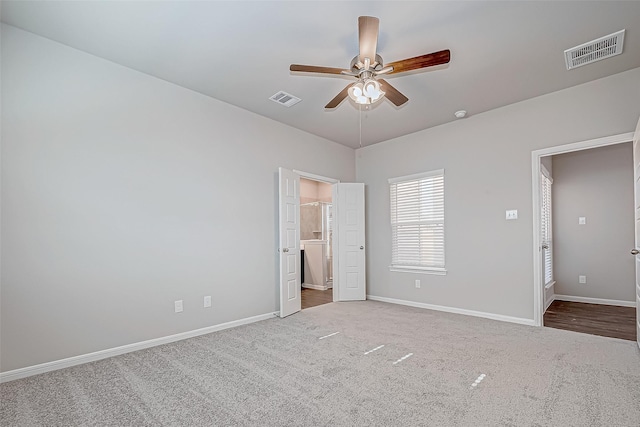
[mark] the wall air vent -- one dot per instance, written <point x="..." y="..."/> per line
<point x="284" y="98"/>
<point x="602" y="48"/>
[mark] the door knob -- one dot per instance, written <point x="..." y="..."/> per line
<point x="635" y="252"/>
<point x="285" y="250"/>
<point x="361" y="247"/>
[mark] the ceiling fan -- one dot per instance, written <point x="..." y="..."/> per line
<point x="368" y="65"/>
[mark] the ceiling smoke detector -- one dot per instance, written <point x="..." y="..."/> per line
<point x="596" y="50"/>
<point x="461" y="114"/>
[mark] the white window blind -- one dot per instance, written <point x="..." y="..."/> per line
<point x="546" y="237"/>
<point x="417" y="221"/>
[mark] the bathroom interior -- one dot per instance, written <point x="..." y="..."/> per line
<point x="316" y="242"/>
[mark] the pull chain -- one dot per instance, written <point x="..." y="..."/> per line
<point x="360" y="115"/>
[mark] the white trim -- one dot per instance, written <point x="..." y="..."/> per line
<point x="103" y="354"/>
<point x="545" y="172"/>
<point x="548" y="300"/>
<point x="416" y="176"/>
<point x="316" y="287"/>
<point x="601" y="301"/>
<point x="538" y="290"/>
<point x="548" y="303"/>
<point x="420" y="270"/>
<point x="334" y="200"/>
<point x="584" y="145"/>
<point x="316" y="177"/>
<point x="492" y="316"/>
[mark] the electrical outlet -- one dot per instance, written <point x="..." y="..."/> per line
<point x="512" y="214"/>
<point x="177" y="305"/>
<point x="417" y="283"/>
<point x="582" y="220"/>
<point x="207" y="301"/>
<point x="582" y="279"/>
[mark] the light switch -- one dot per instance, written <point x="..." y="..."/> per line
<point x="512" y="214"/>
<point x="582" y="220"/>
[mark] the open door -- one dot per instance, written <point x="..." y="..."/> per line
<point x="349" y="243"/>
<point x="636" y="250"/>
<point x="289" y="248"/>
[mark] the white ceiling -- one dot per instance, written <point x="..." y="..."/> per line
<point x="239" y="52"/>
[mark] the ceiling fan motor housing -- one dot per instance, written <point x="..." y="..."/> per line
<point x="358" y="67"/>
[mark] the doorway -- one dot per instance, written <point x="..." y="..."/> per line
<point x="347" y="240"/>
<point x="570" y="309"/>
<point x="316" y="242"/>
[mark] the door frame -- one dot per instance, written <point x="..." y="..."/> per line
<point x="330" y="181"/>
<point x="314" y="177"/>
<point x="538" y="285"/>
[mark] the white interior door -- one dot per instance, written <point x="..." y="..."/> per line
<point x="349" y="281"/>
<point x="636" y="187"/>
<point x="289" y="248"/>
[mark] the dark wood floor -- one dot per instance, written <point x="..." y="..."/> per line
<point x="596" y="319"/>
<point x="312" y="297"/>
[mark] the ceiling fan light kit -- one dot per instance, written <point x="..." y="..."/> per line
<point x="366" y="92"/>
<point x="368" y="65"/>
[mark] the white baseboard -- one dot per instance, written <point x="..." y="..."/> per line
<point x="549" y="294"/>
<point x="595" y="300"/>
<point x="316" y="287"/>
<point x="519" y="320"/>
<point x="103" y="354"/>
<point x="549" y="302"/>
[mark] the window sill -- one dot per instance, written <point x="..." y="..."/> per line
<point x="550" y="284"/>
<point x="421" y="270"/>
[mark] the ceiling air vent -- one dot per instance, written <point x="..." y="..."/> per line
<point x="595" y="50"/>
<point x="284" y="98"/>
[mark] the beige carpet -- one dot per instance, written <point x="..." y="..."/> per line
<point x="279" y="372"/>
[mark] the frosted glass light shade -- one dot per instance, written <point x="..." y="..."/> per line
<point x="366" y="92"/>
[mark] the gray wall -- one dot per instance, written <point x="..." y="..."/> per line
<point x="122" y="193"/>
<point x="596" y="184"/>
<point x="487" y="163"/>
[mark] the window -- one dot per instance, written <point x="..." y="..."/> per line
<point x="545" y="226"/>
<point x="417" y="222"/>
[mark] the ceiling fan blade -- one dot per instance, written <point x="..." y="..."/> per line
<point x="315" y="69"/>
<point x="422" y="61"/>
<point x="392" y="93"/>
<point x="339" y="97"/>
<point x="368" y="36"/>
